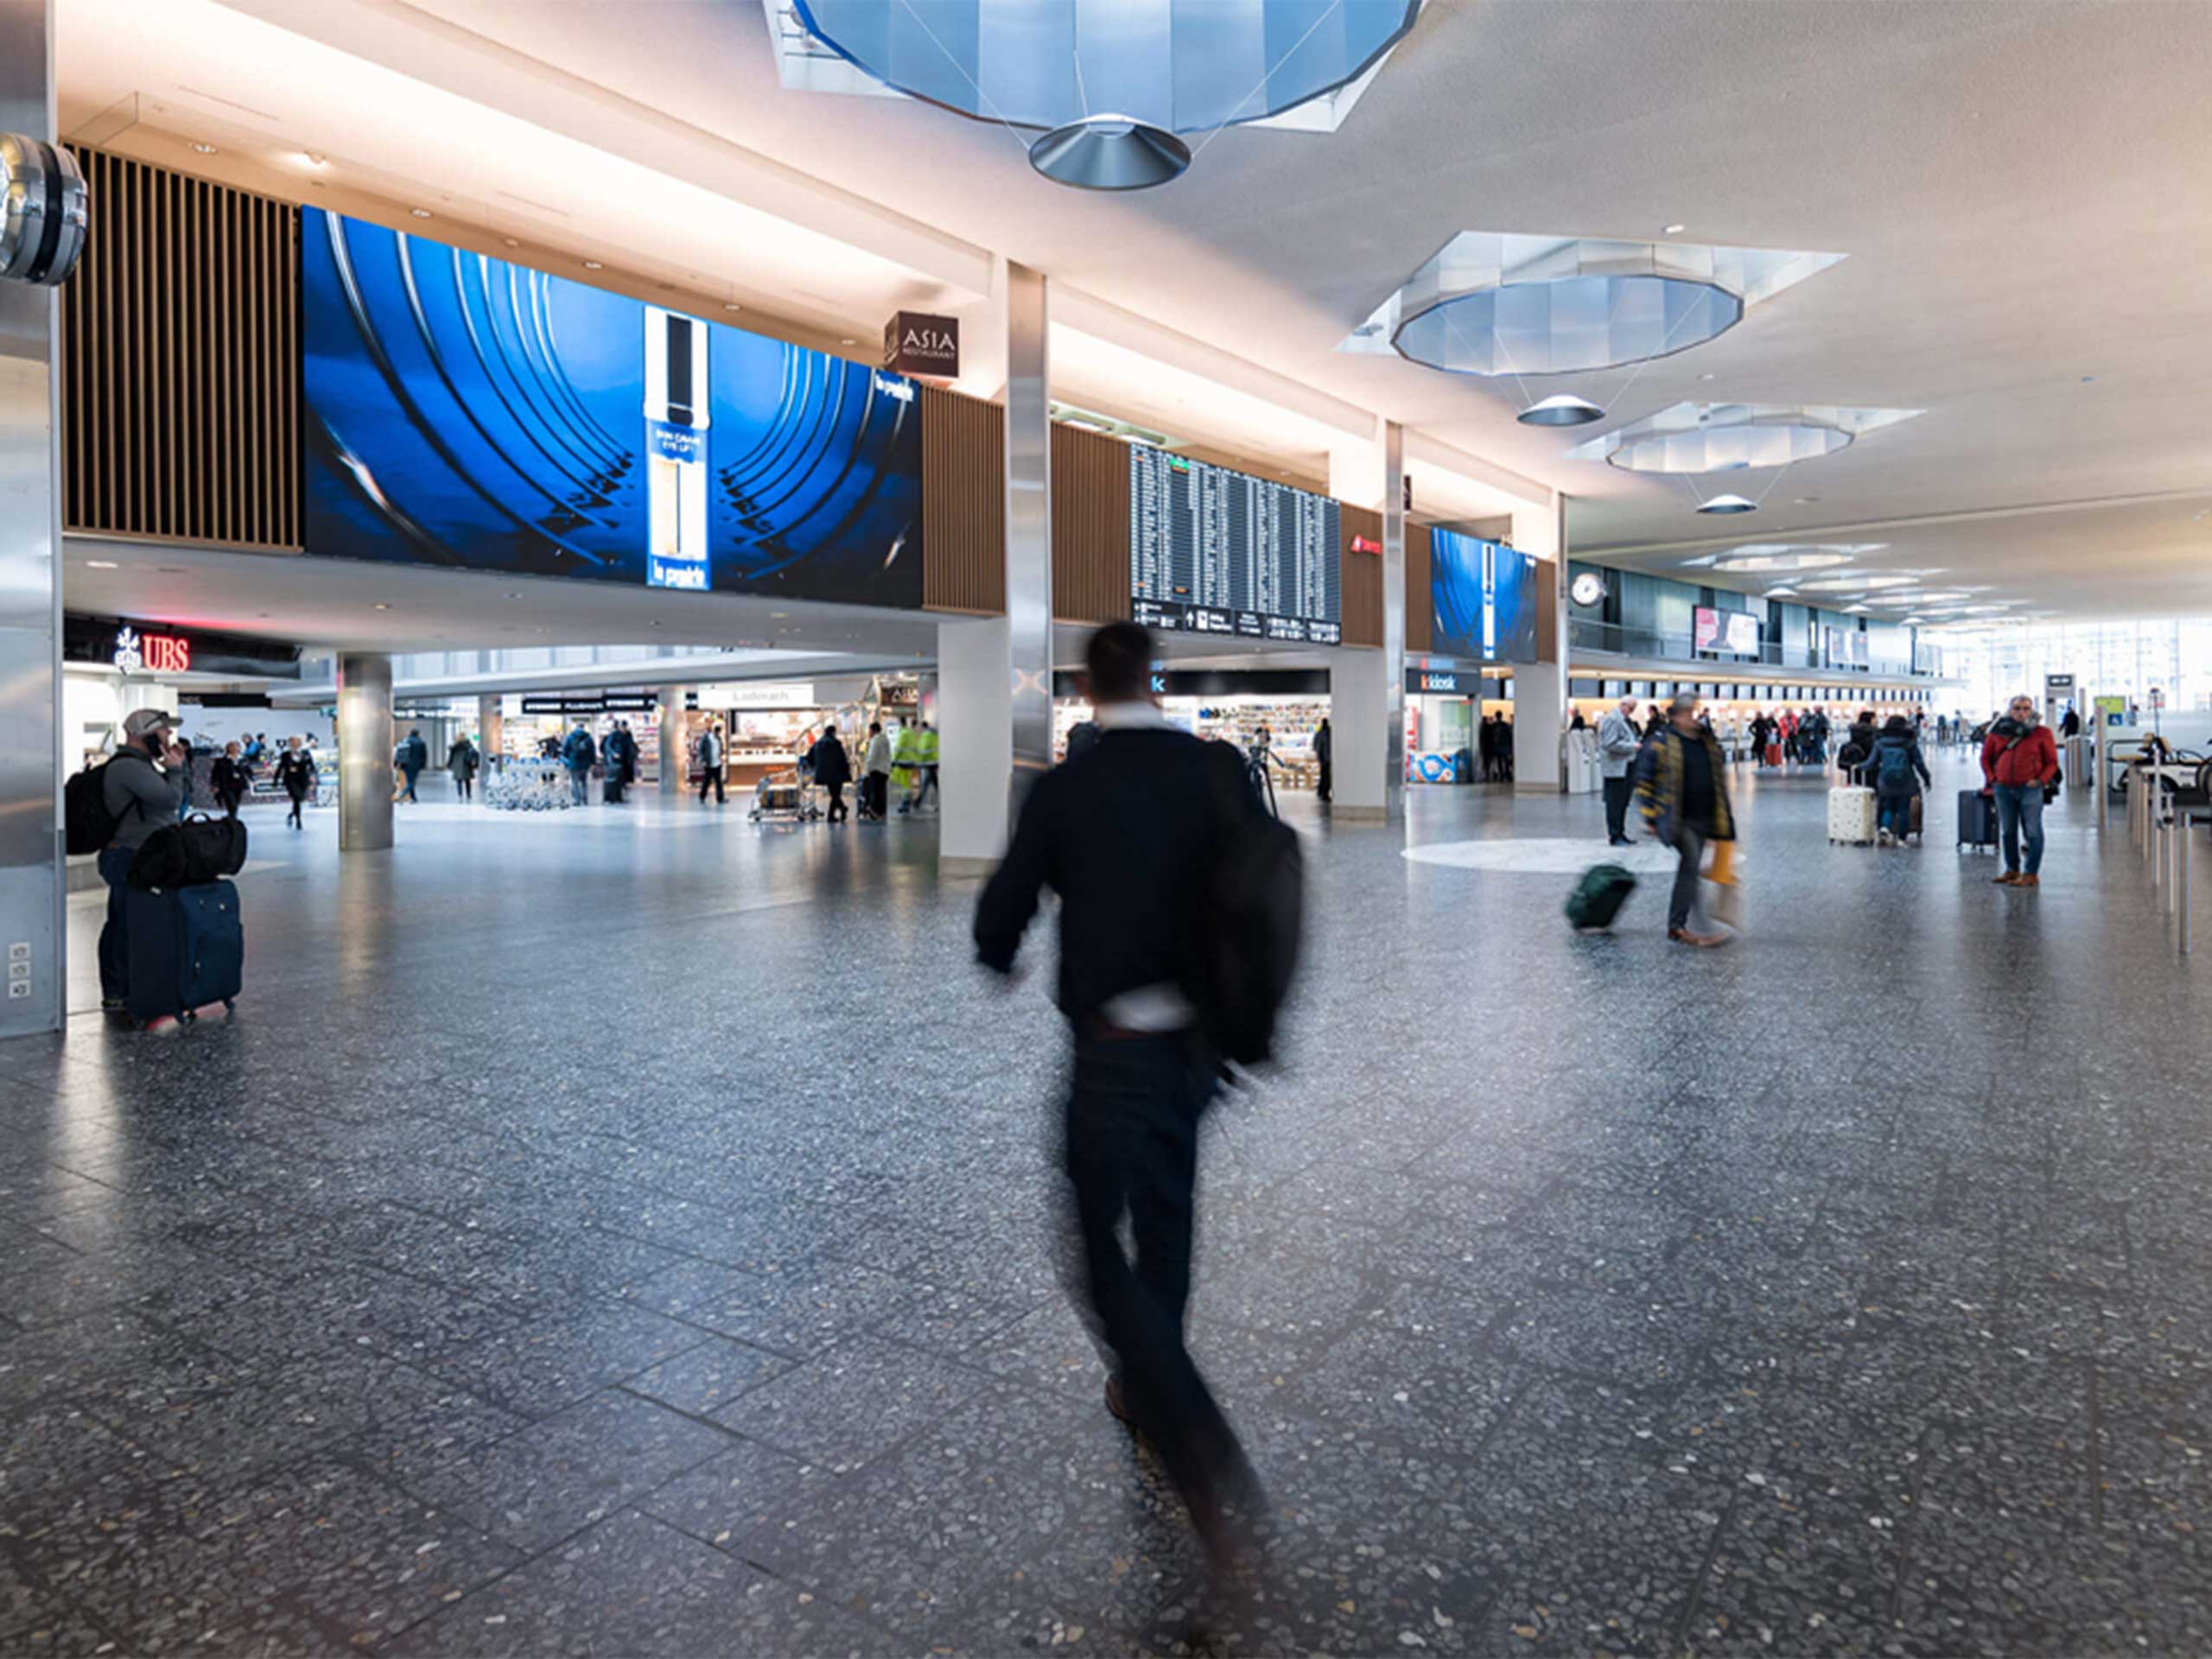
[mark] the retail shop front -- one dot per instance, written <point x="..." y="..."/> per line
<point x="1274" y="710"/>
<point x="1446" y="711"/>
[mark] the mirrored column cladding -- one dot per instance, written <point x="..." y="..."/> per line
<point x="31" y="875"/>
<point x="974" y="723"/>
<point x="1028" y="526"/>
<point x="490" y="725"/>
<point x="1393" y="437"/>
<point x="675" y="743"/>
<point x="364" y="743"/>
<point x="1540" y="714"/>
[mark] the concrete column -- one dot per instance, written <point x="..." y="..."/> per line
<point x="491" y="725"/>
<point x="976" y="738"/>
<point x="1540" y="689"/>
<point x="1360" y="716"/>
<point x="1367" y="700"/>
<point x="1029" y="529"/>
<point x="674" y="759"/>
<point x="364" y="743"/>
<point x="33" y="878"/>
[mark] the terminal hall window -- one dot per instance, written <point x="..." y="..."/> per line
<point x="1217" y="551"/>
<point x="468" y="413"/>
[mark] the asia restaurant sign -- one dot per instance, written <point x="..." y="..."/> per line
<point x="915" y="342"/>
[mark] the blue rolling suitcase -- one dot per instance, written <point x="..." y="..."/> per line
<point x="187" y="948"/>
<point x="1977" y="819"/>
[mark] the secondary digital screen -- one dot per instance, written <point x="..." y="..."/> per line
<point x="1735" y="632"/>
<point x="1217" y="551"/>
<point x="1483" y="596"/>
<point x="466" y="412"/>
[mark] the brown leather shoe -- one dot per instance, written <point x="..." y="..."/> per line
<point x="1703" y="941"/>
<point x="1115" y="1404"/>
<point x="2028" y="881"/>
<point x="2009" y="878"/>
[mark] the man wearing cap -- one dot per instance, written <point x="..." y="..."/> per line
<point x="143" y="785"/>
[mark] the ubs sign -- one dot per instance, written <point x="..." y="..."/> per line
<point x="917" y="343"/>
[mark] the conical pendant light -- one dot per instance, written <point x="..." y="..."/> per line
<point x="1728" y="503"/>
<point x="1562" y="409"/>
<point x="1110" y="152"/>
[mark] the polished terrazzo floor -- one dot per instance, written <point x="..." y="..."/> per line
<point x="628" y="1233"/>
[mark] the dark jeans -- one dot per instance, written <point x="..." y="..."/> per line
<point x="294" y="817"/>
<point x="1132" y="1154"/>
<point x="466" y="785"/>
<point x="875" y="793"/>
<point x="928" y="787"/>
<point x="115" y="937"/>
<point x="1894" y="814"/>
<point x="2020" y="813"/>
<point x="1616" y="793"/>
<point x="711" y="779"/>
<point x="1683" y="909"/>
<point x="229" y="804"/>
<point x="1326" y="785"/>
<point x="410" y="774"/>
<point x="837" y="808"/>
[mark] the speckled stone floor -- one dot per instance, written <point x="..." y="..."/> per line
<point x="628" y="1233"/>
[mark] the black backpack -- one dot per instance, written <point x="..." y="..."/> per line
<point x="1255" y="917"/>
<point x="185" y="854"/>
<point x="87" y="825"/>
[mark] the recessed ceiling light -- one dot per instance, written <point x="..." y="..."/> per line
<point x="844" y="342"/>
<point x="314" y="160"/>
<point x="172" y="571"/>
<point x="1807" y="501"/>
<point x="2088" y="378"/>
<point x="1676" y="230"/>
<point x="99" y="564"/>
<point x="593" y="265"/>
<point x="383" y="607"/>
<point x="205" y="149"/>
<point x="420" y="213"/>
<point x="1705" y="377"/>
<point x="732" y="305"/>
<point x="514" y="595"/>
<point x="511" y="241"/>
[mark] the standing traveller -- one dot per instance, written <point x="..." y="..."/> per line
<point x="906" y="766"/>
<point x="1617" y="744"/>
<point x="1325" y="760"/>
<point x="461" y="764"/>
<point x="579" y="754"/>
<point x="875" y="788"/>
<point x="230" y="778"/>
<point x="2020" y="759"/>
<point x="296" y="773"/>
<point x="833" y="770"/>
<point x="1681" y="783"/>
<point x="709" y="751"/>
<point x="619" y="753"/>
<point x="142" y="789"/>
<point x="2070" y="725"/>
<point x="412" y="755"/>
<point x="1131" y="834"/>
<point x="1897" y="770"/>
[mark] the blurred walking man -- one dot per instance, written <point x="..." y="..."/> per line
<point x="1132" y="832"/>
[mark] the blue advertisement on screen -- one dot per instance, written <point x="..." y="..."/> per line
<point x="466" y="412"/>
<point x="1482" y="598"/>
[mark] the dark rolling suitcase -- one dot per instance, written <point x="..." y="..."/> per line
<point x="610" y="792"/>
<point x="1597" y="897"/>
<point x="187" y="948"/>
<point x="1977" y="819"/>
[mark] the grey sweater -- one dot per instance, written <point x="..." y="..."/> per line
<point x="142" y="797"/>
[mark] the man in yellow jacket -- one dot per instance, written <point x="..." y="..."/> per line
<point x="910" y="760"/>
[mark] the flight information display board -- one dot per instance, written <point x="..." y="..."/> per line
<point x="1217" y="551"/>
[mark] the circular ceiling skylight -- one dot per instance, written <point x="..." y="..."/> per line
<point x="1807" y="558"/>
<point x="1851" y="584"/>
<point x="1567" y="324"/>
<point x="1729" y="449"/>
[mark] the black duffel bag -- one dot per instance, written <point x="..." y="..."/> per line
<point x="184" y="854"/>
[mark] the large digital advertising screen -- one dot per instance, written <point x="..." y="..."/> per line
<point x="466" y="412"/>
<point x="1217" y="551"/>
<point x="1733" y="632"/>
<point x="1482" y="598"/>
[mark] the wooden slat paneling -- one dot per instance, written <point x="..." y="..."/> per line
<point x="1421" y="607"/>
<point x="1363" y="576"/>
<point x="182" y="370"/>
<point x="1547" y="579"/>
<point x="964" y="504"/>
<point x="1090" y="527"/>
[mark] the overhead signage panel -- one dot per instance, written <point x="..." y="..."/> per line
<point x="1222" y="552"/>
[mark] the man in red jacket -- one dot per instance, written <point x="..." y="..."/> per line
<point x="2020" y="759"/>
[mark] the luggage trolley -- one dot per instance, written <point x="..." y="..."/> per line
<point x="784" y="794"/>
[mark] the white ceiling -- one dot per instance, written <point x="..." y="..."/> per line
<point x="2019" y="189"/>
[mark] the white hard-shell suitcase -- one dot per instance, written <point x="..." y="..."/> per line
<point x="1851" y="816"/>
